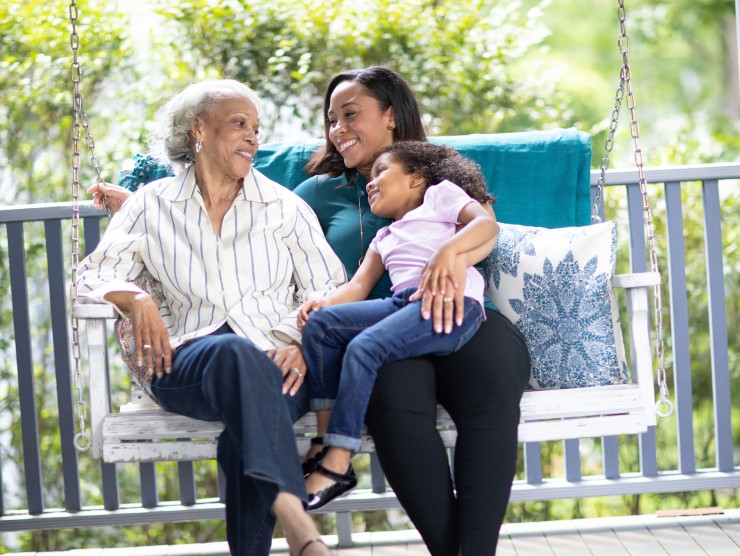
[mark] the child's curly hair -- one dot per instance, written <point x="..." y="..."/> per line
<point x="437" y="163"/>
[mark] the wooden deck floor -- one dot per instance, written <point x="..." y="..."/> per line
<point x="648" y="535"/>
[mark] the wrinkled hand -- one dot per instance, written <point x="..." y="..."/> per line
<point x="153" y="348"/>
<point x="446" y="308"/>
<point x="306" y="309"/>
<point x="293" y="366"/>
<point x="116" y="194"/>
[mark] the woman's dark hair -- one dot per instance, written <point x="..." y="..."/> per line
<point x="389" y="89"/>
<point x="436" y="163"/>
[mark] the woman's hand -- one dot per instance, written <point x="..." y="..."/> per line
<point x="307" y="308"/>
<point x="291" y="363"/>
<point x="446" y="308"/>
<point x="153" y="348"/>
<point x="116" y="194"/>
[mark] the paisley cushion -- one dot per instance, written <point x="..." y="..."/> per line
<point x="124" y="331"/>
<point x="555" y="286"/>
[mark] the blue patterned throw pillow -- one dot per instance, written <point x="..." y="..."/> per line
<point x="555" y="286"/>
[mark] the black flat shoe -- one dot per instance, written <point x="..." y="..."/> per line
<point x="342" y="485"/>
<point x="310" y="464"/>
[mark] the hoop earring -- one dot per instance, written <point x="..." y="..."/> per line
<point x="198" y="146"/>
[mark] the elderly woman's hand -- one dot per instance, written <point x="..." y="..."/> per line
<point x="116" y="194"/>
<point x="153" y="348"/>
<point x="293" y="366"/>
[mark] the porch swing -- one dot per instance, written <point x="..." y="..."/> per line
<point x="142" y="431"/>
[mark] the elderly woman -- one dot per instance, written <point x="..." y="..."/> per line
<point x="236" y="254"/>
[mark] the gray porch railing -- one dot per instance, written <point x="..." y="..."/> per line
<point x="25" y="228"/>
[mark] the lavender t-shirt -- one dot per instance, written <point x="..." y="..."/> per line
<point x="407" y="244"/>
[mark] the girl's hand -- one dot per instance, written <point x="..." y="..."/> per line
<point x="306" y="309"/>
<point x="116" y="194"/>
<point x="439" y="270"/>
<point x="152" y="341"/>
<point x="293" y="366"/>
<point x="447" y="308"/>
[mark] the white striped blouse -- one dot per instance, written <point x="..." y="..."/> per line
<point x="271" y="257"/>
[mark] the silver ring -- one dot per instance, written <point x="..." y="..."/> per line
<point x="146" y="346"/>
<point x="447" y="300"/>
<point x="296" y="371"/>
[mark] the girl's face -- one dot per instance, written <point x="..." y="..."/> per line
<point x="358" y="128"/>
<point x="392" y="192"/>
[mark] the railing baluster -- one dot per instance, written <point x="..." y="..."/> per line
<point x="572" y="460"/>
<point x="24" y="359"/>
<point x="149" y="494"/>
<point x="91" y="234"/>
<point x="376" y="474"/>
<point x="718" y="326"/>
<point x="610" y="456"/>
<point x="638" y="263"/>
<point x="186" y="479"/>
<point x="111" y="496"/>
<point x="532" y="463"/>
<point x="2" y="499"/>
<point x="58" y="299"/>
<point x="680" y="328"/>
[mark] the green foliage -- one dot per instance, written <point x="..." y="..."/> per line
<point x="35" y="118"/>
<point x="458" y="56"/>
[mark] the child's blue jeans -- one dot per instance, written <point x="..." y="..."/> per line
<point x="345" y="345"/>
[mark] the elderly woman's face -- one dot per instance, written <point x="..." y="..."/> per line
<point x="358" y="127"/>
<point x="229" y="136"/>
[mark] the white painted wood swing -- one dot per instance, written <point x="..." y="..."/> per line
<point x="143" y="432"/>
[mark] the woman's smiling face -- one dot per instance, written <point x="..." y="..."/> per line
<point x="358" y="128"/>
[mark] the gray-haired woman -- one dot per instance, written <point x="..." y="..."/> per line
<point x="235" y="254"/>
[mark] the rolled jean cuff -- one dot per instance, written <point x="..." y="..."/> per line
<point x="321" y="404"/>
<point x="342" y="441"/>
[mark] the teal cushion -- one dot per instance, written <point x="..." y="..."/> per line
<point x="284" y="161"/>
<point x="539" y="178"/>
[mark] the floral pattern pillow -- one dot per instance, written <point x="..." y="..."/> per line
<point x="555" y="286"/>
<point x="124" y="331"/>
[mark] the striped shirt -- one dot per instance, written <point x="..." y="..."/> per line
<point x="271" y="257"/>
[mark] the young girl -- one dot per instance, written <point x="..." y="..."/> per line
<point x="412" y="184"/>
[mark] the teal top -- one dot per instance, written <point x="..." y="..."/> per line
<point x="342" y="207"/>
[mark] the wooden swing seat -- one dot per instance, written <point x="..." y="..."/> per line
<point x="558" y="163"/>
<point x="144" y="432"/>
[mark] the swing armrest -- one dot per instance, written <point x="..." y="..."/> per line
<point x="95" y="314"/>
<point x="94" y="310"/>
<point x="636" y="280"/>
<point x="638" y="313"/>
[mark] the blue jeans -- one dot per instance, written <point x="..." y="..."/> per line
<point x="223" y="377"/>
<point x="345" y="345"/>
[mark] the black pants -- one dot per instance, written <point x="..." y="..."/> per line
<point x="480" y="386"/>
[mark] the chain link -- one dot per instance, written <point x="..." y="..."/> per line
<point x="664" y="406"/>
<point x="82" y="439"/>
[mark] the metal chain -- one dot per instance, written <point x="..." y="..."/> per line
<point x="664" y="406"/>
<point x="82" y="439"/>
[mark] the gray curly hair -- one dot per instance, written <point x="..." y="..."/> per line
<point x="171" y="142"/>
